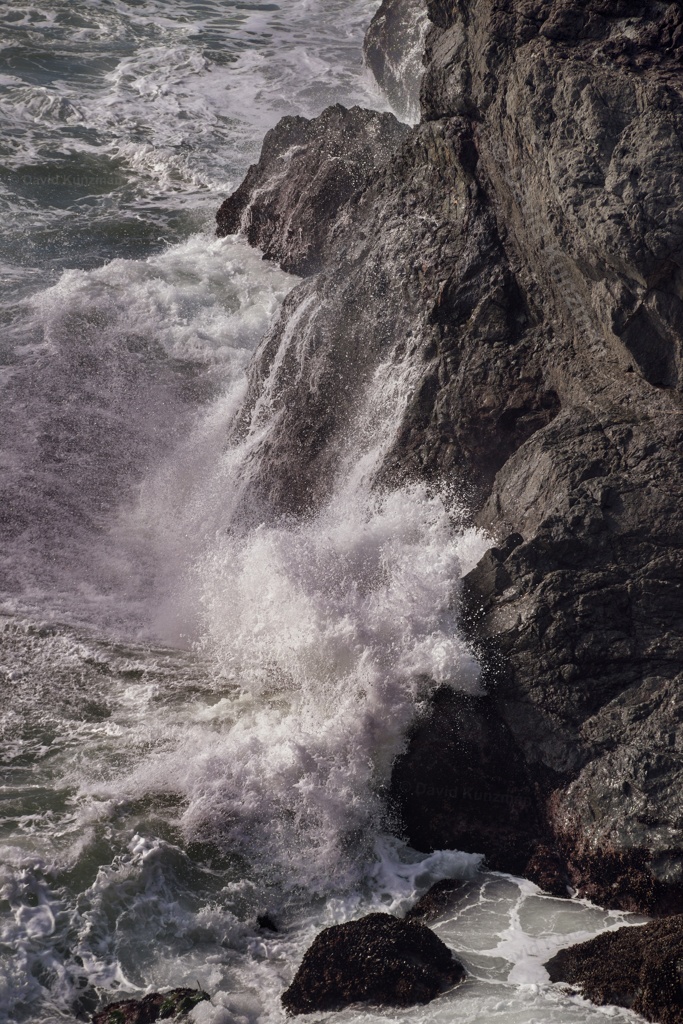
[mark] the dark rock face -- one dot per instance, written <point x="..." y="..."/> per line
<point x="584" y="619"/>
<point x="389" y="293"/>
<point x="519" y="262"/>
<point x="307" y="171"/>
<point x="546" y="867"/>
<point x="463" y="784"/>
<point x="393" y="48"/>
<point x="378" y="960"/>
<point x="437" y="901"/>
<point x="640" y="968"/>
<point x="157" y="1006"/>
<point x="581" y="624"/>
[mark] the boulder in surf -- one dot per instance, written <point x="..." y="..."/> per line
<point x="378" y="960"/>
<point x="640" y="968"/>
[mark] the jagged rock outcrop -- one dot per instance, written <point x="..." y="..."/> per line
<point x="389" y="295"/>
<point x="306" y="173"/>
<point x="517" y="262"/>
<point x="377" y="960"/>
<point x="640" y="968"/>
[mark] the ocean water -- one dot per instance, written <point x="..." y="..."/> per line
<point x="199" y="718"/>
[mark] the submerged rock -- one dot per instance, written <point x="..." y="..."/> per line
<point x="175" y="1004"/>
<point x="637" y="967"/>
<point x="378" y="960"/>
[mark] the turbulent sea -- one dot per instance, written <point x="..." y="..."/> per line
<point x="199" y="717"/>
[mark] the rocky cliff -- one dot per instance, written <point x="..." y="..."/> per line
<point x="519" y="254"/>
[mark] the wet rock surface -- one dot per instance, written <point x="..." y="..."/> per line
<point x="175" y="1004"/>
<point x="393" y="48"/>
<point x="517" y="262"/>
<point x="377" y="960"/>
<point x="306" y="173"/>
<point x="640" y="968"/>
<point x="388" y="294"/>
<point x="439" y="899"/>
<point x="547" y="868"/>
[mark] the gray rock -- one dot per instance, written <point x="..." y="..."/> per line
<point x="307" y="171"/>
<point x="393" y="48"/>
<point x="518" y="263"/>
<point x="578" y="108"/>
<point x="583" y="622"/>
<point x="390" y="292"/>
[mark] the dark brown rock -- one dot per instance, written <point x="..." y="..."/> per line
<point x="632" y="879"/>
<point x="637" y="967"/>
<point x="175" y="1004"/>
<point x="378" y="960"/>
<point x="439" y="899"/>
<point x="547" y="868"/>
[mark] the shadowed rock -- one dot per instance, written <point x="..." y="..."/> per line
<point x="437" y="901"/>
<point x="378" y="960"/>
<point x="640" y="968"/>
<point x="462" y="784"/>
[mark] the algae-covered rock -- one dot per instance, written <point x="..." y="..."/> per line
<point x="637" y="967"/>
<point x="171" y="1005"/>
<point x="378" y="960"/>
